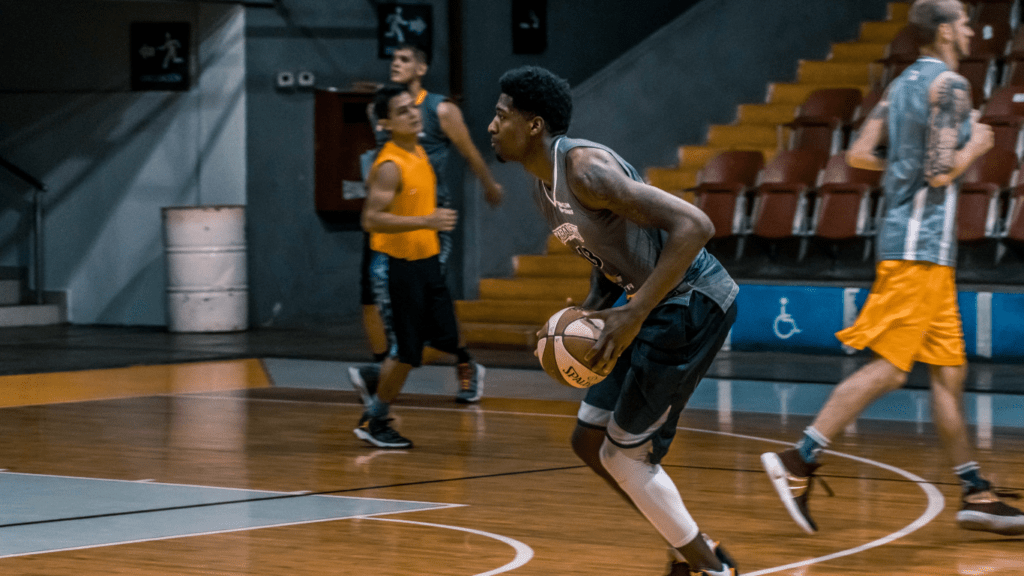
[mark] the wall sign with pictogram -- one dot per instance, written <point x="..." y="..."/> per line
<point x="160" y="55"/>
<point x="399" y="24"/>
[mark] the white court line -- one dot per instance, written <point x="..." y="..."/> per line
<point x="936" y="503"/>
<point x="523" y="552"/>
<point x="272" y="493"/>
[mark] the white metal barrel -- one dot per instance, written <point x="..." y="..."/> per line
<point x="207" y="283"/>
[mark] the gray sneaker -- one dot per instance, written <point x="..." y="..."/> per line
<point x="471" y="382"/>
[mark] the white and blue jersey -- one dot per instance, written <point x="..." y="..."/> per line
<point x="920" y="221"/>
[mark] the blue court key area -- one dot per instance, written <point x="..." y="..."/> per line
<point x="41" y="514"/>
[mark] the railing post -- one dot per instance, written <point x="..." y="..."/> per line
<point x="37" y="243"/>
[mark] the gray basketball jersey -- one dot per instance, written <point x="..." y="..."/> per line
<point x="625" y="252"/>
<point x="920" y="221"/>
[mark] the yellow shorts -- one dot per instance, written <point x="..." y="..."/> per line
<point x="910" y="316"/>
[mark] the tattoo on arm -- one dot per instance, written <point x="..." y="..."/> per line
<point x="950" y="105"/>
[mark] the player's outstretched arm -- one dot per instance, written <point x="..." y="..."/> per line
<point x="384" y="183"/>
<point x="454" y="127"/>
<point x="949" y="107"/>
<point x="599" y="183"/>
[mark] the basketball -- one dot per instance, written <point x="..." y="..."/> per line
<point x="565" y="341"/>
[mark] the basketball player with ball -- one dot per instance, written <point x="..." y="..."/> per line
<point x="654" y="348"/>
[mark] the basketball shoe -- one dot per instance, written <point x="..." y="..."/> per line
<point x="365" y="379"/>
<point x="792" y="478"/>
<point x="471" y="382"/>
<point x="378" y="431"/>
<point x="981" y="509"/>
<point x="682" y="568"/>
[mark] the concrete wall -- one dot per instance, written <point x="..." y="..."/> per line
<point x="112" y="157"/>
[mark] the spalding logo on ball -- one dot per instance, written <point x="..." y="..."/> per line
<point x="564" y="343"/>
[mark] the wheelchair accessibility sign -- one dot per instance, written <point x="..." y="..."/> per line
<point x="788" y="318"/>
<point x="785" y="326"/>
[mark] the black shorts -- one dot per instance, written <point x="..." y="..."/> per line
<point x="654" y="378"/>
<point x="366" y="297"/>
<point x="415" y="305"/>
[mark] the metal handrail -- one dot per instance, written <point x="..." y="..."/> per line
<point x="37" y="227"/>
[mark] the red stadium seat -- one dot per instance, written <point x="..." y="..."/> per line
<point x="824" y="119"/>
<point x="781" y="200"/>
<point x="980" y="192"/>
<point x="722" y="187"/>
<point x="844" y="207"/>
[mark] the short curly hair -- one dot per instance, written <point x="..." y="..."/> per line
<point x="540" y="92"/>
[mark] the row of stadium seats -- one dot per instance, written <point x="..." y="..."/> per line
<point x="804" y="193"/>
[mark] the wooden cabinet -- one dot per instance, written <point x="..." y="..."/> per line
<point x="342" y="133"/>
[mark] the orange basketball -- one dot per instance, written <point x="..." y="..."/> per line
<point x="564" y="343"/>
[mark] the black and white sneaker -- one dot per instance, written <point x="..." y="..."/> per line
<point x="471" y="382"/>
<point x="792" y="479"/>
<point x="982" y="509"/>
<point x="378" y="431"/>
<point x="682" y="568"/>
<point x="365" y="379"/>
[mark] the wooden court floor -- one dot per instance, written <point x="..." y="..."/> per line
<point x="499" y="489"/>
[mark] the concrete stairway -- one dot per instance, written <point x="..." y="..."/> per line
<point x="511" y="310"/>
<point x="14" y="312"/>
<point x="758" y="126"/>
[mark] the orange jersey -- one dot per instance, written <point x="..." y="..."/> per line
<point x="417" y="196"/>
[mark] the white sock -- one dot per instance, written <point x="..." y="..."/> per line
<point x="651" y="490"/>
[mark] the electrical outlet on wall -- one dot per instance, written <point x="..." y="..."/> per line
<point x="306" y="79"/>
<point x="285" y="79"/>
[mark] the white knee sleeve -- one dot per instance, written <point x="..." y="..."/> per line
<point x="651" y="490"/>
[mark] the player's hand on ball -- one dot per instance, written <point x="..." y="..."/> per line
<point x="621" y="325"/>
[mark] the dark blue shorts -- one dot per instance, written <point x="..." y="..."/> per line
<point x="654" y="378"/>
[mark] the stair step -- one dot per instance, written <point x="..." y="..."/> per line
<point x="561" y="265"/>
<point x="555" y="247"/>
<point x="899" y="11"/>
<point x="10" y="292"/>
<point x="671" y="179"/>
<point x="494" y="335"/>
<point x="791" y="93"/>
<point x="829" y="72"/>
<point x="697" y="156"/>
<point x="733" y="136"/>
<point x="765" y="113"/>
<point x="534" y="289"/>
<point x="30" y="315"/>
<point x="857" y="51"/>
<point x="533" y="312"/>
<point x="880" y="32"/>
